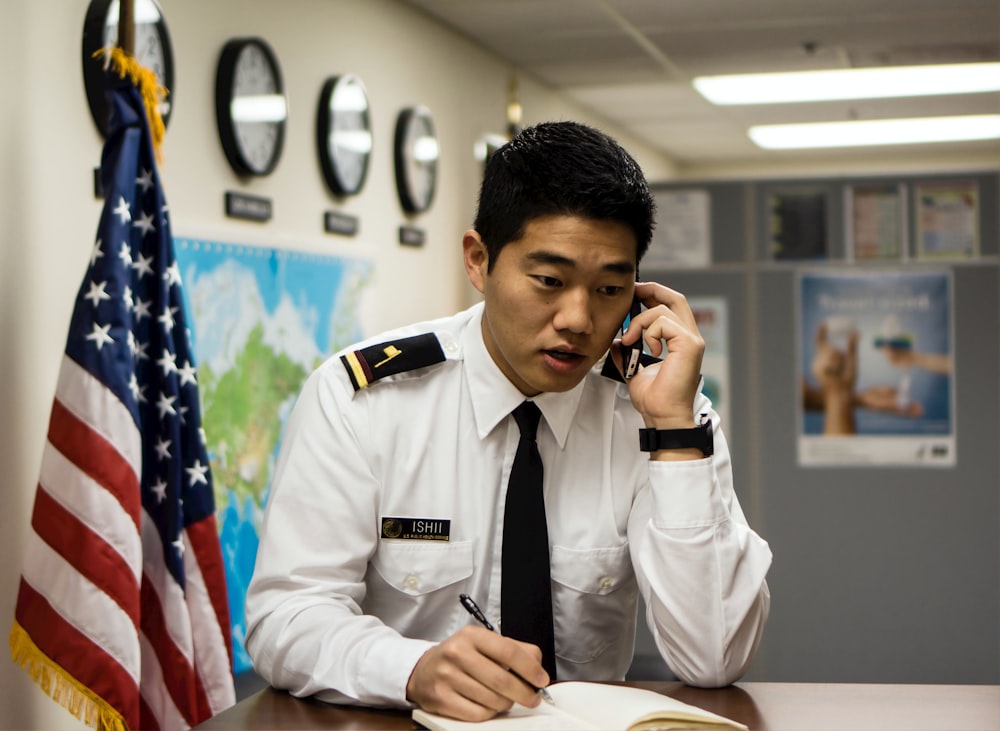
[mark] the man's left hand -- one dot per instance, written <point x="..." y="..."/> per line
<point x="664" y="393"/>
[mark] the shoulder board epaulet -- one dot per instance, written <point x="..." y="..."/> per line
<point x="610" y="370"/>
<point x="369" y="364"/>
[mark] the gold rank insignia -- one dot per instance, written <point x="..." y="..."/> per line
<point x="369" y="364"/>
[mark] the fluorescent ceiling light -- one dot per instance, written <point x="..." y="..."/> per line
<point x="866" y="83"/>
<point x="876" y="132"/>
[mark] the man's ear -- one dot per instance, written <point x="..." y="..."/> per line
<point x="476" y="258"/>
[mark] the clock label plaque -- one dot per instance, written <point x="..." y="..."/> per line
<point x="412" y="236"/>
<point x="340" y="223"/>
<point x="248" y="207"/>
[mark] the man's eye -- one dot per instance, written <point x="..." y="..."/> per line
<point x="547" y="281"/>
<point x="611" y="291"/>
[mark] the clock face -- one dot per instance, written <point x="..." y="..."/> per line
<point x="344" y="135"/>
<point x="250" y="106"/>
<point x="416" y="157"/>
<point x="152" y="49"/>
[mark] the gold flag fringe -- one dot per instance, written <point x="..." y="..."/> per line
<point x="150" y="89"/>
<point x="63" y="688"/>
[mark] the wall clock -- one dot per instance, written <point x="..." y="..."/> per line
<point x="343" y="133"/>
<point x="152" y="49"/>
<point x="416" y="157"/>
<point x="250" y="106"/>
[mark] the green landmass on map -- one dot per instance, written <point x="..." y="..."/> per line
<point x="242" y="406"/>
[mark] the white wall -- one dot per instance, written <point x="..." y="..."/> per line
<point x="48" y="215"/>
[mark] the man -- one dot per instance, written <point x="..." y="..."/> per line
<point x="388" y="501"/>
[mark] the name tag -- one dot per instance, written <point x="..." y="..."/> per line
<point x="416" y="529"/>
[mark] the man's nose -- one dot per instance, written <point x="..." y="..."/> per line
<point x="575" y="313"/>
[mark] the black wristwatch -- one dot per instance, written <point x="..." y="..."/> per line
<point x="700" y="437"/>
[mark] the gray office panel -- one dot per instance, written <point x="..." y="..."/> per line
<point x="880" y="574"/>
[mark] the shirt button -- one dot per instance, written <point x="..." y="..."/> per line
<point x="412" y="582"/>
<point x="451" y="346"/>
<point x="605" y="583"/>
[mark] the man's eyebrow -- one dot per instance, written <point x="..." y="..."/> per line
<point x="548" y="257"/>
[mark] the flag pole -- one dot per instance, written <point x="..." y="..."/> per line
<point x="149" y="86"/>
<point x="126" y="26"/>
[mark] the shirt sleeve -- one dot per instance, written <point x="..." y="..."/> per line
<point x="306" y="631"/>
<point x="701" y="568"/>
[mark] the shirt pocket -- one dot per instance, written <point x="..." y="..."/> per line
<point x="594" y="595"/>
<point x="417" y="568"/>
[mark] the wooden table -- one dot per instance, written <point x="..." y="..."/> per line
<point x="761" y="706"/>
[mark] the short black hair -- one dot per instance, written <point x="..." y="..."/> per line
<point x="561" y="168"/>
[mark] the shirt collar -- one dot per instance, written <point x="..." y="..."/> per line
<point x="493" y="396"/>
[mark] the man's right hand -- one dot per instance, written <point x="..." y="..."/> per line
<point x="468" y="676"/>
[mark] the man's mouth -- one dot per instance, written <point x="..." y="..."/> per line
<point x="564" y="356"/>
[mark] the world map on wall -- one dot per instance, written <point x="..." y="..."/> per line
<point x="262" y="319"/>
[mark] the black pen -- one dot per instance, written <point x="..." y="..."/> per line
<point x="472" y="608"/>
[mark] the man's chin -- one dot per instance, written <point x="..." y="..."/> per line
<point x="564" y="379"/>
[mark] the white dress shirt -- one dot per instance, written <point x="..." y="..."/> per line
<point x="338" y="611"/>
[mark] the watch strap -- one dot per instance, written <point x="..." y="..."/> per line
<point x="700" y="437"/>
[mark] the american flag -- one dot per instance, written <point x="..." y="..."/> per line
<point x="121" y="614"/>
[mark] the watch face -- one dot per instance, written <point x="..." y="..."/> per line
<point x="251" y="106"/>
<point x="416" y="159"/>
<point x="344" y="134"/>
<point x="152" y="49"/>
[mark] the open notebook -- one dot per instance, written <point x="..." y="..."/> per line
<point x="581" y="705"/>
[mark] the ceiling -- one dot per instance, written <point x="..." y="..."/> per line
<point x="631" y="61"/>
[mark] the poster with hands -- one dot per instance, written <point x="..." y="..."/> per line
<point x="876" y="368"/>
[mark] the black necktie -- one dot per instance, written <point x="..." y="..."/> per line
<point x="525" y="586"/>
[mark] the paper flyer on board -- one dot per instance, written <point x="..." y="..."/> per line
<point x="947" y="220"/>
<point x="683" y="235"/>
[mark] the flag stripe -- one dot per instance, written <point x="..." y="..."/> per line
<point x="81" y="605"/>
<point x="171" y="614"/>
<point x="88" y="397"/>
<point x="85" y="551"/>
<point x="95" y="457"/>
<point x="156" y="701"/>
<point x="93" y="506"/>
<point x="74" y="651"/>
<point x="147" y="719"/>
<point x="168" y="626"/>
<point x="177" y="673"/>
<point x="207" y="568"/>
<point x="209" y="613"/>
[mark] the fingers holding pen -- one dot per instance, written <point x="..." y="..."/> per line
<point x="469" y="675"/>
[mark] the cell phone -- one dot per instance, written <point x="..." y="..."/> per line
<point x="631" y="353"/>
